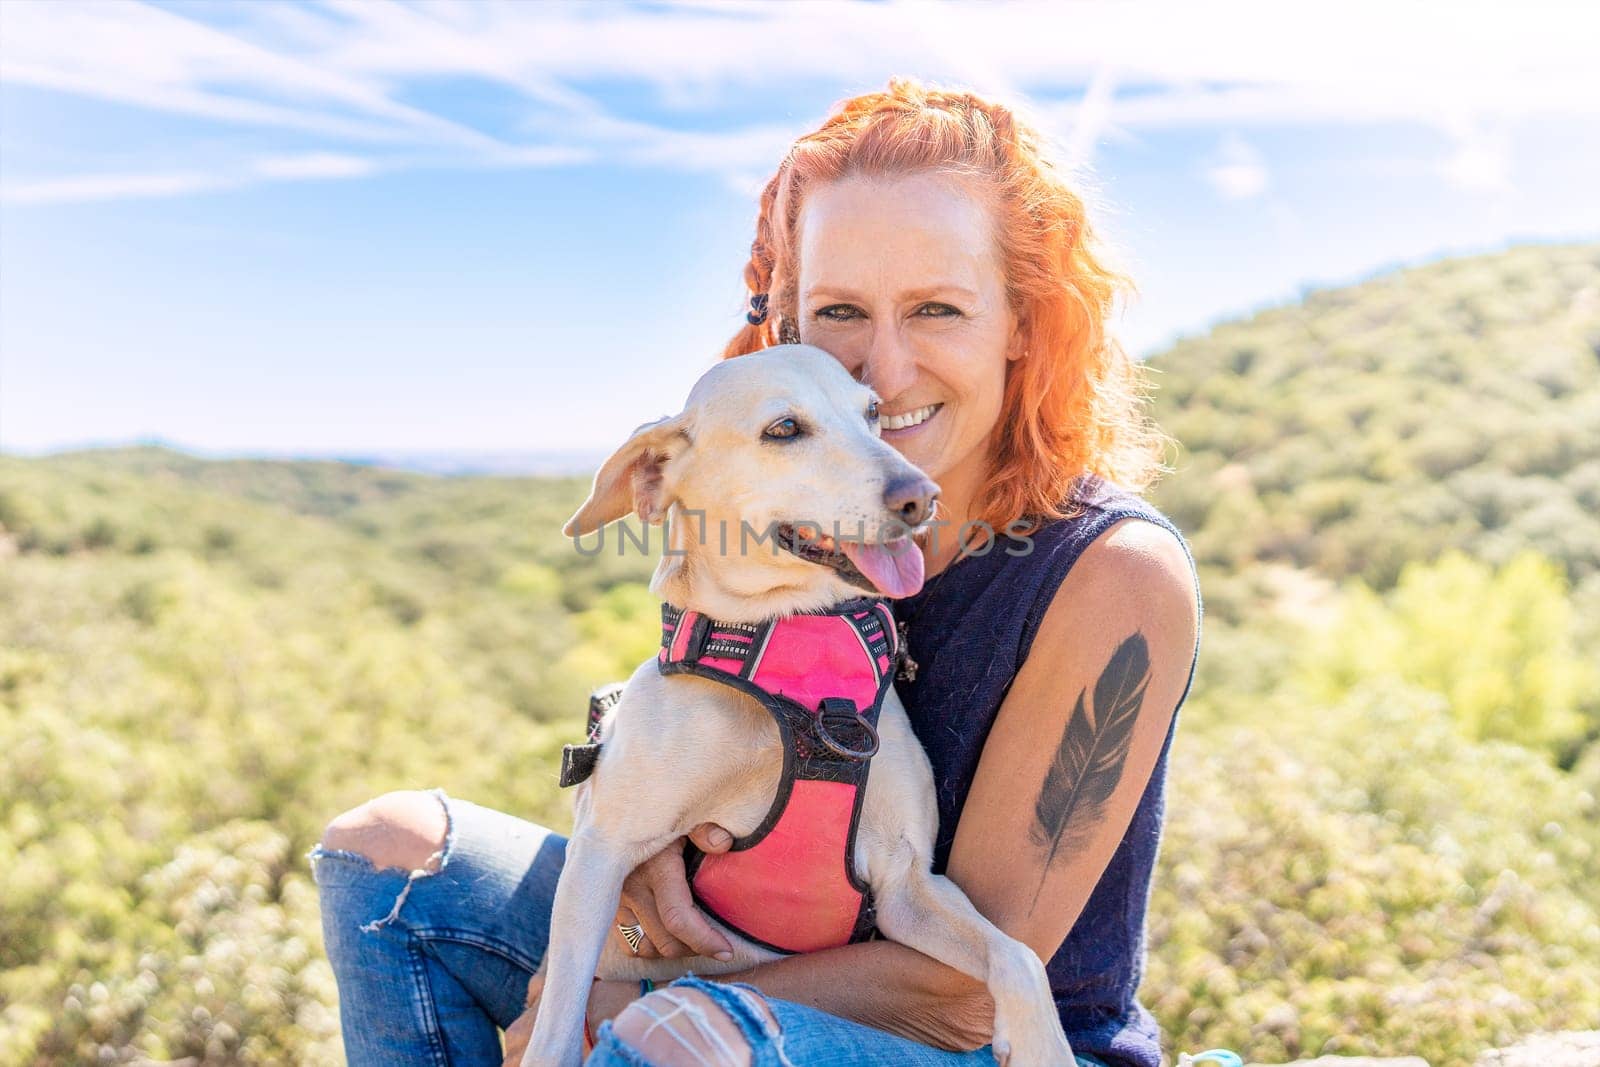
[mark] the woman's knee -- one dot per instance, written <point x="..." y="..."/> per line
<point x="404" y="830"/>
<point x="677" y="1027"/>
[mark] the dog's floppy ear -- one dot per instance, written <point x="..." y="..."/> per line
<point x="634" y="478"/>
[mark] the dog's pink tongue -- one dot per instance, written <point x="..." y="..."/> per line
<point x="895" y="567"/>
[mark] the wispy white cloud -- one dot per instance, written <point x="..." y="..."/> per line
<point x="315" y="165"/>
<point x="1237" y="171"/>
<point x="344" y="70"/>
<point x="133" y="53"/>
<point x="1090" y="118"/>
<point x="94" y="187"/>
<point x="1479" y="163"/>
<point x="1485" y="56"/>
<point x="90" y="188"/>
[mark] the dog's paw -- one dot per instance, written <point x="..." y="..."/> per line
<point x="1027" y="1028"/>
<point x="1029" y="1034"/>
<point x="1038" y="1047"/>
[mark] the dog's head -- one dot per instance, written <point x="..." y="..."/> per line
<point x="777" y="471"/>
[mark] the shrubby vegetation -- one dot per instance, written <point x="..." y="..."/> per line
<point x="1382" y="833"/>
<point x="1363" y="879"/>
<point x="187" y="673"/>
<point x="1499" y="647"/>
<point x="1449" y="406"/>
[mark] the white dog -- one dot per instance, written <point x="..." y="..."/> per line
<point x="774" y="441"/>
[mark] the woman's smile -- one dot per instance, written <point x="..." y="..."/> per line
<point x="901" y="427"/>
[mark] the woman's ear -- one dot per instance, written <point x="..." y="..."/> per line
<point x="1017" y="343"/>
<point x="634" y="479"/>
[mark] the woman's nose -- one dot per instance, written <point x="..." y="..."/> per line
<point x="891" y="367"/>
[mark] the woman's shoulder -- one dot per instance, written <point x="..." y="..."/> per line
<point x="1126" y="542"/>
<point x="1093" y="506"/>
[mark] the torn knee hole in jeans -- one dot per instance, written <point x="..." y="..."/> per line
<point x="435" y="864"/>
<point x="684" y="1020"/>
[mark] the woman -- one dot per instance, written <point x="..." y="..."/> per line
<point x="923" y="239"/>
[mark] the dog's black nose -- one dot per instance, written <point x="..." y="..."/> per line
<point x="911" y="499"/>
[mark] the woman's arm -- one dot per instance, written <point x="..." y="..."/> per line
<point x="1115" y="645"/>
<point x="1061" y="774"/>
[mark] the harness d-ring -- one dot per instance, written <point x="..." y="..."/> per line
<point x="850" y="754"/>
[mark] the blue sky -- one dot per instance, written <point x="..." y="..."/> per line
<point x="356" y="225"/>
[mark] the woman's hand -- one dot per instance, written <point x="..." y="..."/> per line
<point x="656" y="896"/>
<point x="606" y="1001"/>
<point x="518" y="1033"/>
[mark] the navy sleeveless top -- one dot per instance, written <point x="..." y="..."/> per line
<point x="970" y="628"/>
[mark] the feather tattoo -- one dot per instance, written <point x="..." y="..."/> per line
<point x="1088" y="762"/>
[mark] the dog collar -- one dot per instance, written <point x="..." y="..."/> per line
<point x="816" y="660"/>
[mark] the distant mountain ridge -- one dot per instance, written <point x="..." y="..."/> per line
<point x="445" y="462"/>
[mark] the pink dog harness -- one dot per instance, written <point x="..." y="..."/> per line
<point x="791" y="884"/>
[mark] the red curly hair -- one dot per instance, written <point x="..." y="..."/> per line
<point x="1075" y="403"/>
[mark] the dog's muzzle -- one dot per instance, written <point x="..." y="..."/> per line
<point x="823" y="551"/>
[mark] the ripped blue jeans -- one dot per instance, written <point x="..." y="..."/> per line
<point x="431" y="967"/>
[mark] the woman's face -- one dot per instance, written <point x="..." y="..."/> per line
<point x="900" y="280"/>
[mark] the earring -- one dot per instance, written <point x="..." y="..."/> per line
<point x="758" y="310"/>
<point x="788" y="332"/>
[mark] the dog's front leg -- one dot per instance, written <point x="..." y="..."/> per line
<point x="931" y="914"/>
<point x="585" y="902"/>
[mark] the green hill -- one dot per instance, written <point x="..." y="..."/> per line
<point x="1450" y="406"/>
<point x="1382" y="833"/>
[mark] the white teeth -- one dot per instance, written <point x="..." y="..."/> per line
<point x="909" y="419"/>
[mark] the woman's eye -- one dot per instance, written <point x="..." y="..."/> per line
<point x="937" y="311"/>
<point x="837" y="313"/>
<point x="783" y="428"/>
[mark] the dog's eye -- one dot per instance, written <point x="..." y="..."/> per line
<point x="784" y="428"/>
<point x="872" y="411"/>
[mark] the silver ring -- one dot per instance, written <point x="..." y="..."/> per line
<point x="633" y="935"/>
